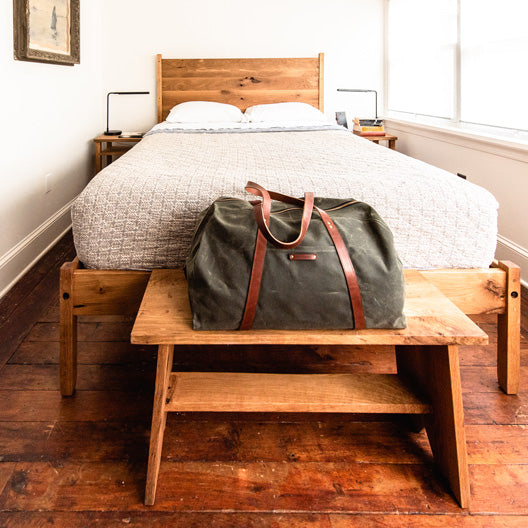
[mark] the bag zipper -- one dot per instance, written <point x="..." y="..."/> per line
<point x="327" y="210"/>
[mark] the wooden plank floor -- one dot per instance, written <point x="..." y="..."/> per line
<point x="82" y="461"/>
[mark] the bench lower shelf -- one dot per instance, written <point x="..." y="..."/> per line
<point x="249" y="392"/>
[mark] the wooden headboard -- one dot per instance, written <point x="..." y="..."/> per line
<point x="240" y="82"/>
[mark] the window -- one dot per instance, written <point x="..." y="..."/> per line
<point x="422" y="53"/>
<point x="462" y="61"/>
<point x="493" y="69"/>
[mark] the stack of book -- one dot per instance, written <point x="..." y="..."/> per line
<point x="368" y="127"/>
<point x="131" y="134"/>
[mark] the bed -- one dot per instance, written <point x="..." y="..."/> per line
<point x="139" y="213"/>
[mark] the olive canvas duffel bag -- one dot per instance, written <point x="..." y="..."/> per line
<point x="318" y="263"/>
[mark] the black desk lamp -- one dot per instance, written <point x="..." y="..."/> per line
<point x="117" y="132"/>
<point x="360" y="90"/>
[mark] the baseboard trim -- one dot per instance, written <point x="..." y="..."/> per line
<point x="19" y="259"/>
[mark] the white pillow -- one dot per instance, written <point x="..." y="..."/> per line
<point x="204" y="112"/>
<point x="284" y="112"/>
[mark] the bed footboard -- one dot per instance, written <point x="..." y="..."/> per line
<point x="92" y="292"/>
<point x="111" y="292"/>
<point x="496" y="290"/>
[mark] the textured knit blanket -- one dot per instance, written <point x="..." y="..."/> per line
<point x="141" y="211"/>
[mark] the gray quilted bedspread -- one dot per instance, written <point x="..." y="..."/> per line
<point x="141" y="211"/>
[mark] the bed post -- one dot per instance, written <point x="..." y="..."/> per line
<point x="321" y="82"/>
<point x="68" y="330"/>
<point x="509" y="330"/>
<point x="159" y="100"/>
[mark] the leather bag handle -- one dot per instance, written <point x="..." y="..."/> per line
<point x="262" y="211"/>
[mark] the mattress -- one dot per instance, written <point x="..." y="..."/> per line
<point x="140" y="212"/>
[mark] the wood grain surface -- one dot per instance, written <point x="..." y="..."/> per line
<point x="243" y="392"/>
<point x="240" y="82"/>
<point x="82" y="461"/>
<point x="164" y="317"/>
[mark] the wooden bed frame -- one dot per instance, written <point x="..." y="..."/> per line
<point x="245" y="82"/>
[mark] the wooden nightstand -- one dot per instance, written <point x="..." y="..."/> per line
<point x="391" y="140"/>
<point x="115" y="146"/>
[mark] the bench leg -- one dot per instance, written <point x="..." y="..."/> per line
<point x="509" y="331"/>
<point x="434" y="371"/>
<point x="68" y="330"/>
<point x="159" y="418"/>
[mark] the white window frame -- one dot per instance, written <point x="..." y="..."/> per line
<point x="474" y="129"/>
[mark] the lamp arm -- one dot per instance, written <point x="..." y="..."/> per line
<point x="107" y="132"/>
<point x="362" y="90"/>
<point x="107" y="106"/>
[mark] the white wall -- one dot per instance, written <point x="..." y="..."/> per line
<point x="49" y="115"/>
<point x="499" y="167"/>
<point x="349" y="32"/>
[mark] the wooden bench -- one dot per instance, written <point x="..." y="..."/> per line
<point x="427" y="383"/>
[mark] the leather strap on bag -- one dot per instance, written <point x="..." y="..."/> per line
<point x="254" y="282"/>
<point x="263" y="214"/>
<point x="348" y="269"/>
<point x="262" y="211"/>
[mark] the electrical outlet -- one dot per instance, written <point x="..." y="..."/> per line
<point x="48" y="181"/>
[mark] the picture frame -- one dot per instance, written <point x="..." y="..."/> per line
<point x="47" y="31"/>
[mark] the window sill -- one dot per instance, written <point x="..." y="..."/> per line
<point x="500" y="146"/>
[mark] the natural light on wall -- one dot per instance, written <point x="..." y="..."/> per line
<point x="462" y="61"/>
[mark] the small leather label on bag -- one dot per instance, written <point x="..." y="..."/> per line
<point x="303" y="256"/>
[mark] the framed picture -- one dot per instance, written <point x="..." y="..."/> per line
<point x="47" y="31"/>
